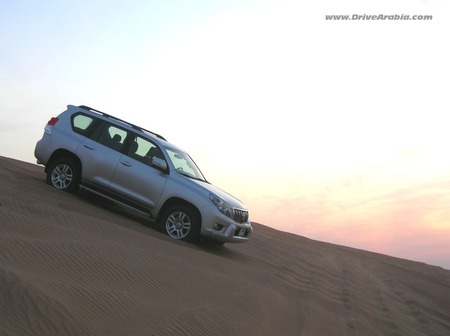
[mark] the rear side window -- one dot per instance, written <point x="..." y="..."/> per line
<point x="82" y="123"/>
<point x="112" y="137"/>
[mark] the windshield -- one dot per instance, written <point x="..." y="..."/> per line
<point x="184" y="164"/>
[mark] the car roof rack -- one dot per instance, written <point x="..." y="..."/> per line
<point x="123" y="121"/>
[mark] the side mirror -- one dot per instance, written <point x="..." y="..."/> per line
<point x="159" y="164"/>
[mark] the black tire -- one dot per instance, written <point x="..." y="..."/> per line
<point x="63" y="174"/>
<point x="181" y="222"/>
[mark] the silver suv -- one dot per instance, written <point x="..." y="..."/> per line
<point x="88" y="149"/>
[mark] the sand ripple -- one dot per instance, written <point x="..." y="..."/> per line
<point x="74" y="265"/>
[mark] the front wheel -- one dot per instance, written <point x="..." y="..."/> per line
<point x="63" y="174"/>
<point x="181" y="222"/>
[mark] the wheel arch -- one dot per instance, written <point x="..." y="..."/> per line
<point x="64" y="154"/>
<point x="178" y="201"/>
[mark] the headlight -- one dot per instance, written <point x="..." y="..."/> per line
<point x="221" y="205"/>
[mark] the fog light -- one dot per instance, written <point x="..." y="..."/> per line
<point x="218" y="227"/>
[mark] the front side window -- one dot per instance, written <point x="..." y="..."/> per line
<point x="144" y="150"/>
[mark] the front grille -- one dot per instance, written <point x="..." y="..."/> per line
<point x="240" y="216"/>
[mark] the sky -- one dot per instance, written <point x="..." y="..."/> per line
<point x="330" y="129"/>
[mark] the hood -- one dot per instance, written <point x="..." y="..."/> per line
<point x="204" y="188"/>
<point x="230" y="199"/>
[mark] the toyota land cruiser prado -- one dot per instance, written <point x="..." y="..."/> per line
<point x="85" y="148"/>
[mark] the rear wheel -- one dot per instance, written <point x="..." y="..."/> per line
<point x="181" y="222"/>
<point x="63" y="174"/>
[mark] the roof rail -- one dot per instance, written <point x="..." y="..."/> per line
<point x="125" y="122"/>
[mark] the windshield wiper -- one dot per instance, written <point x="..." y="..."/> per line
<point x="190" y="176"/>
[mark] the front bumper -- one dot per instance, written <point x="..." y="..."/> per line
<point x="221" y="228"/>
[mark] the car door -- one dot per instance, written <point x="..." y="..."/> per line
<point x="100" y="154"/>
<point x="136" y="178"/>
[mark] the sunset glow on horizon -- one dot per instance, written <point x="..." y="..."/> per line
<point x="336" y="131"/>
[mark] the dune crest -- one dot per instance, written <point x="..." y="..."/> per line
<point x="77" y="265"/>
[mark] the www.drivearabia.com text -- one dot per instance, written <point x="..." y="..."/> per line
<point x="376" y="17"/>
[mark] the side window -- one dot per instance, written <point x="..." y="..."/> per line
<point x="112" y="137"/>
<point x="82" y="124"/>
<point x="144" y="150"/>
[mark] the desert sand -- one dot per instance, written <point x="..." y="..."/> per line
<point x="78" y="265"/>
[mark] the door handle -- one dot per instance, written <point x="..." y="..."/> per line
<point x="126" y="163"/>
<point x="88" y="147"/>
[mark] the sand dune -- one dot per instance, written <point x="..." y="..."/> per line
<point x="77" y="265"/>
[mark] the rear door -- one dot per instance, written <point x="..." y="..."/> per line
<point x="100" y="153"/>
<point x="136" y="178"/>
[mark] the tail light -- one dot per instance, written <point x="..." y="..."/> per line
<point x="52" y="121"/>
<point x="48" y="128"/>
